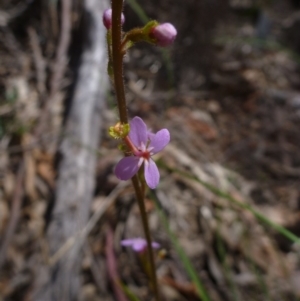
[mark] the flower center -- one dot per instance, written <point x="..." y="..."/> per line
<point x="145" y="155"/>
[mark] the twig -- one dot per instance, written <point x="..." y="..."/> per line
<point x="112" y="265"/>
<point x="184" y="288"/>
<point x="38" y="59"/>
<point x="16" y="149"/>
<point x="60" y="63"/>
<point x="15" y="213"/>
<point x="16" y="11"/>
<point x="53" y="18"/>
<point x="97" y="269"/>
<point x="80" y="237"/>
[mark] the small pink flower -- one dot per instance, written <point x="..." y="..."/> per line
<point x="107" y="16"/>
<point x="144" y="146"/>
<point x="138" y="244"/>
<point x="164" y="34"/>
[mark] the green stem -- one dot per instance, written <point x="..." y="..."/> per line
<point x="140" y="198"/>
<point x="117" y="7"/>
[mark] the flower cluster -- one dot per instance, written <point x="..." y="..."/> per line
<point x="143" y="146"/>
<point x="159" y="34"/>
<point x="141" y="143"/>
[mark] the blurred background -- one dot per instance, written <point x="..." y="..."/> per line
<point x="227" y="210"/>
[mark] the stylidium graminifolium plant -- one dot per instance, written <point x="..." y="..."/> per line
<point x="141" y="144"/>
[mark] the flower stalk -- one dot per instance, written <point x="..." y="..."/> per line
<point x="140" y="199"/>
<point x="117" y="56"/>
<point x="117" y="61"/>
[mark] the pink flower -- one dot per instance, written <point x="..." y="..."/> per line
<point x="143" y="146"/>
<point x="138" y="244"/>
<point x="107" y="16"/>
<point x="164" y="34"/>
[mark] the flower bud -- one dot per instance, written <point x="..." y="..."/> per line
<point x="119" y="130"/>
<point x="107" y="16"/>
<point x="164" y="34"/>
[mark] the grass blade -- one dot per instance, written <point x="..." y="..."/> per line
<point x="259" y="216"/>
<point x="165" y="53"/>
<point x="138" y="10"/>
<point x="184" y="258"/>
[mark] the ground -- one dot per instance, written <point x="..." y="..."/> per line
<point x="228" y="91"/>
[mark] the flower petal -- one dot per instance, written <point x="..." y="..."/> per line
<point x="127" y="242"/>
<point x="155" y="245"/>
<point x="160" y="140"/>
<point x="139" y="245"/>
<point x="150" y="135"/>
<point x="138" y="132"/>
<point x="151" y="174"/>
<point x="127" y="168"/>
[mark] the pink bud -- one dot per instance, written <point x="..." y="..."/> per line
<point x="107" y="16"/>
<point x="164" y="34"/>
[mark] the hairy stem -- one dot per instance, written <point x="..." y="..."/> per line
<point x="140" y="198"/>
<point x="117" y="59"/>
<point x="117" y="56"/>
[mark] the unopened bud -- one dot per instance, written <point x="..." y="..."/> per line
<point x="107" y="17"/>
<point x="164" y="34"/>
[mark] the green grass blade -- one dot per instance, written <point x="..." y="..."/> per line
<point x="226" y="269"/>
<point x="280" y="229"/>
<point x="138" y="10"/>
<point x="169" y="65"/>
<point x="184" y="258"/>
<point x="128" y="292"/>
<point x="260" y="280"/>
<point x="165" y="53"/>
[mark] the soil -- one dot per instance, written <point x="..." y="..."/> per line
<point x="228" y="90"/>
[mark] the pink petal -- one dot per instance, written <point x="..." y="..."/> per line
<point x="164" y="34"/>
<point x="150" y="135"/>
<point x="138" y="132"/>
<point x="151" y="174"/>
<point x="160" y="140"/>
<point x="127" y="242"/>
<point x="127" y="168"/>
<point x="155" y="245"/>
<point x="139" y="245"/>
<point x="107" y="16"/>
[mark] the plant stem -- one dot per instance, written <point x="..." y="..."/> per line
<point x="117" y="7"/>
<point x="140" y="198"/>
<point x="117" y="60"/>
